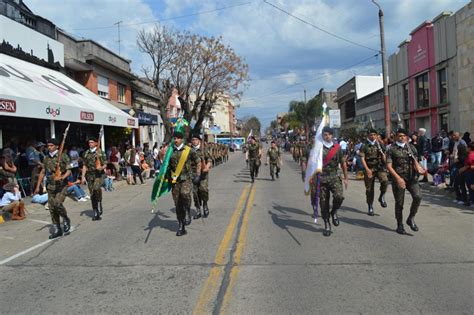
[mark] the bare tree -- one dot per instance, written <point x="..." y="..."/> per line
<point x="201" y="68"/>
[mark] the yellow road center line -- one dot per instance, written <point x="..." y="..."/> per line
<point x="210" y="286"/>
<point x="242" y="239"/>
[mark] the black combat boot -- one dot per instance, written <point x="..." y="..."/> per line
<point x="96" y="216"/>
<point x="187" y="220"/>
<point x="205" y="209"/>
<point x="273" y="178"/>
<point x="277" y="173"/>
<point x="327" y="228"/>
<point x="335" y="218"/>
<point x="181" y="228"/>
<point x="382" y="200"/>
<point x="198" y="213"/>
<point x="371" y="210"/>
<point x="411" y="223"/>
<point x="57" y="232"/>
<point x="400" y="228"/>
<point x="66" y="225"/>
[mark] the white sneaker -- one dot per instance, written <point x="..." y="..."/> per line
<point x="455" y="201"/>
<point x="82" y="199"/>
<point x="87" y="198"/>
<point x="460" y="202"/>
<point x="46" y="207"/>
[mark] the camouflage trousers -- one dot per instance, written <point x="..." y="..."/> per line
<point x="253" y="166"/>
<point x="329" y="185"/>
<point x="56" y="197"/>
<point x="370" y="184"/>
<point x="94" y="184"/>
<point x="414" y="189"/>
<point x="182" y="197"/>
<point x="201" y="191"/>
<point x="273" y="167"/>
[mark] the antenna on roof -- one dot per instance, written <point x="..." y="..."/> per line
<point x="118" y="28"/>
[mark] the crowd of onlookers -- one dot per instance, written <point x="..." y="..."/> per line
<point x="20" y="167"/>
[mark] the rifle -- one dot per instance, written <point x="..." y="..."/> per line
<point x="57" y="172"/>
<point x="98" y="165"/>
<point x="417" y="165"/>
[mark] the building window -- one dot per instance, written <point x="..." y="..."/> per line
<point x="443" y="122"/>
<point x="442" y="86"/>
<point x="406" y="124"/>
<point x="406" y="105"/>
<point x="102" y="86"/>
<point x="121" y="93"/>
<point x="422" y="87"/>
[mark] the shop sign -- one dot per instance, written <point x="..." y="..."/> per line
<point x="8" y="106"/>
<point x="53" y="111"/>
<point x="88" y="116"/>
<point x="112" y="119"/>
<point x="147" y="119"/>
<point x="131" y="122"/>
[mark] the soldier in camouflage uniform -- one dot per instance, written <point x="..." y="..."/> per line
<point x="56" y="187"/>
<point x="330" y="181"/>
<point x="201" y="189"/>
<point x="401" y="165"/>
<point x="274" y="157"/>
<point x="253" y="156"/>
<point x="181" y="184"/>
<point x="372" y="154"/>
<point x="94" y="176"/>
<point x="304" y="156"/>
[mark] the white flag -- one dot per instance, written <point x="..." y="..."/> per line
<point x="315" y="161"/>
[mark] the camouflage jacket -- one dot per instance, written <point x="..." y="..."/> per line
<point x="187" y="171"/>
<point x="330" y="169"/>
<point x="253" y="150"/>
<point x="202" y="155"/>
<point x="89" y="161"/>
<point x="273" y="155"/>
<point x="401" y="160"/>
<point x="50" y="168"/>
<point x="372" y="155"/>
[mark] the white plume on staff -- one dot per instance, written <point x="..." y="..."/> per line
<point x="315" y="162"/>
<point x="250" y="135"/>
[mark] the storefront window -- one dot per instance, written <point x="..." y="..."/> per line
<point x="442" y="86"/>
<point x="406" y="106"/>
<point x="422" y="87"/>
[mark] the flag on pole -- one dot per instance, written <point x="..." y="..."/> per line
<point x="162" y="186"/>
<point x="315" y="162"/>
<point x="250" y="135"/>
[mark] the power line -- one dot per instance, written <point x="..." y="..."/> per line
<point x="319" y="28"/>
<point x="307" y="81"/>
<point x="169" y="19"/>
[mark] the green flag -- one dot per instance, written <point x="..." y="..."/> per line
<point x="162" y="185"/>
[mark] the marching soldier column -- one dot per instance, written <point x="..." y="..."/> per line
<point x="201" y="182"/>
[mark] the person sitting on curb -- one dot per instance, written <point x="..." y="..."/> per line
<point x="75" y="190"/>
<point x="11" y="201"/>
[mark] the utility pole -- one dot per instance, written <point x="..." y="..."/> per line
<point x="118" y="28"/>
<point x="386" y="100"/>
<point x="305" y="96"/>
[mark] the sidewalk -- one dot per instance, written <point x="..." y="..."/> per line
<point x="16" y="236"/>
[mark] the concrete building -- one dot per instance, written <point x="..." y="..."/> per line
<point x="145" y="104"/>
<point x="371" y="107"/>
<point x="350" y="92"/>
<point x="329" y="98"/>
<point x="427" y="71"/>
<point x="223" y="116"/>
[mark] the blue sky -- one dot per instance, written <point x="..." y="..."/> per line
<point x="285" y="55"/>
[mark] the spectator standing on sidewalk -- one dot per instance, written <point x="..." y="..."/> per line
<point x="468" y="172"/>
<point x="423" y="149"/>
<point x="467" y="137"/>
<point x="458" y="157"/>
<point x="7" y="165"/>
<point x="436" y="150"/>
<point x="114" y="160"/>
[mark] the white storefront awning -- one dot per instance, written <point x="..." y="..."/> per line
<point x="28" y="90"/>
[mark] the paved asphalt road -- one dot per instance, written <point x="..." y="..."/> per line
<point x="257" y="253"/>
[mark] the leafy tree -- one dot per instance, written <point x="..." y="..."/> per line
<point x="251" y="123"/>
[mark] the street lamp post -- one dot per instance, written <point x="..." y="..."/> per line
<point x="386" y="101"/>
